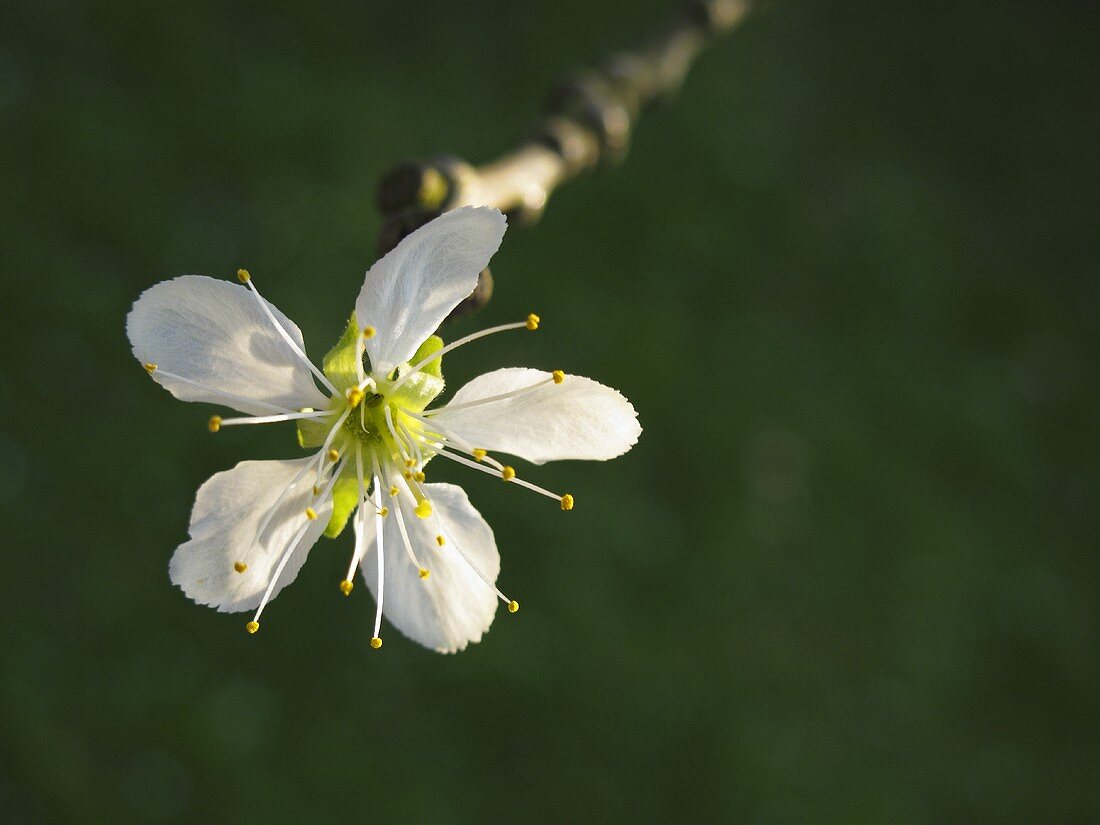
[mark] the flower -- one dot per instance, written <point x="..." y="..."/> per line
<point x="427" y="555"/>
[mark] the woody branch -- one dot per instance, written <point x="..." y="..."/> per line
<point x="587" y="121"/>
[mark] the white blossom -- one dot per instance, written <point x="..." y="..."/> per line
<point x="426" y="554"/>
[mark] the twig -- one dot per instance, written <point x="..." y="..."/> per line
<point x="588" y="120"/>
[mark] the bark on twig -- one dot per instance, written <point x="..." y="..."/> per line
<point x="588" y="120"/>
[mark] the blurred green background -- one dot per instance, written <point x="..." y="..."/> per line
<point x="848" y="278"/>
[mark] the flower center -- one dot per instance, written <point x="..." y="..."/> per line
<point x="365" y="423"/>
<point x="381" y="425"/>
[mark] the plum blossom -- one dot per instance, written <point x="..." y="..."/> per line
<point x="426" y="554"/>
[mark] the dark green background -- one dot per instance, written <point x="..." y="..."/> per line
<point x="848" y="278"/>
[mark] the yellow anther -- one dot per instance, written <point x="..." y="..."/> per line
<point x="376" y="643"/>
<point x="150" y="367"/>
<point x="419" y="476"/>
<point x="425" y="572"/>
<point x="346" y="587"/>
<point x="410" y="462"/>
<point x="507" y="473"/>
<point x="533" y="321"/>
<point x="311" y="514"/>
<point x="567" y="502"/>
<point x="479" y="454"/>
<point x="513" y="606"/>
<point x="240" y="566"/>
<point x="333" y="455"/>
<point x="423" y="509"/>
<point x="440" y="540"/>
<point x="316" y="490"/>
<point x="385" y="511"/>
<point x="559" y="376"/>
<point x="369" y="332"/>
<point x="214" y="424"/>
<point x="252" y="627"/>
<point x="243" y="276"/>
<point x="354" y="396"/>
<point x="394" y="491"/>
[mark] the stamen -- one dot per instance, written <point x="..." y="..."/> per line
<point x="423" y="507"/>
<point x="513" y="606"/>
<point x="433" y="434"/>
<point x="357" y="552"/>
<point x="221" y="395"/>
<point x="311" y="514"/>
<point x="240" y="566"/>
<point x="558" y="376"/>
<point x="479" y="454"/>
<point x="150" y="367"/>
<point x="440" y="450"/>
<point x="440" y="540"/>
<point x="408" y="544"/>
<point x="287" y="553"/>
<point x="492" y="462"/>
<point x="475" y="568"/>
<point x="275" y="507"/>
<point x="346" y="587"/>
<point x="325" y="452"/>
<point x="508" y="474"/>
<point x="439" y="353"/>
<point x="216" y="422"/>
<point x="247" y="281"/>
<point x="378" y="527"/>
<point x="532" y="322"/>
<point x="566" y="500"/>
<point x="398" y="443"/>
<point x="492" y="398"/>
<point x="369" y="332"/>
<point x="414" y="442"/>
<point x="354" y="395"/>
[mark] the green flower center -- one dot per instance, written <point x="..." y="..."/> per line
<point x="366" y="425"/>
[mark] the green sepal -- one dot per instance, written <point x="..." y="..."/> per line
<point x="419" y="390"/>
<point x="345" y="495"/>
<point x="340" y="365"/>
<point x="433" y="368"/>
<point x="312" y="432"/>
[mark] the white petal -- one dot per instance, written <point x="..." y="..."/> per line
<point x="214" y="333"/>
<point x="409" y="291"/>
<point x="453" y="606"/>
<point x="229" y="508"/>
<point x="579" y="418"/>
